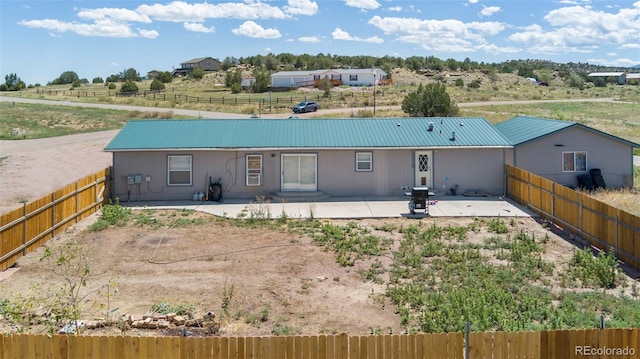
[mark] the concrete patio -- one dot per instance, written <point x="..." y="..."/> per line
<point x="351" y="207"/>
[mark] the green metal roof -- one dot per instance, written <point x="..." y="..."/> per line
<point x="306" y="133"/>
<point x="521" y="129"/>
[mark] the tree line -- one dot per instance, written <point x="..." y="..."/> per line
<point x="266" y="64"/>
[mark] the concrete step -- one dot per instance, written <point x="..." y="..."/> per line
<point x="298" y="196"/>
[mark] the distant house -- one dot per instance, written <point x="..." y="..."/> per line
<point x="247" y="81"/>
<point x="172" y="159"/>
<point x="153" y="74"/>
<point x="633" y="78"/>
<point x="205" y="63"/>
<point x="562" y="150"/>
<point x="619" y="77"/>
<point x="349" y="77"/>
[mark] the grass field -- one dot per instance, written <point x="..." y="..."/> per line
<point x="619" y="118"/>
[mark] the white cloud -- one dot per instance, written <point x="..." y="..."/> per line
<point x="312" y="39"/>
<point x="339" y="34"/>
<point x="101" y="28"/>
<point x="150" y="34"/>
<point x="581" y="29"/>
<point x="180" y="11"/>
<point x="301" y="7"/>
<point x="614" y="62"/>
<point x="198" y="27"/>
<point x="473" y="1"/>
<point x="395" y="8"/>
<point x="447" y="35"/>
<point x="489" y="10"/>
<point x="363" y="4"/>
<point x="120" y="15"/>
<point x="251" y="29"/>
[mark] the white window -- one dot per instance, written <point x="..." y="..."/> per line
<point x="353" y="77"/>
<point x="574" y="161"/>
<point x="179" y="170"/>
<point x="364" y="161"/>
<point x="254" y="170"/>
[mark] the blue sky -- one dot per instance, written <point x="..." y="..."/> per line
<point x="41" y="39"/>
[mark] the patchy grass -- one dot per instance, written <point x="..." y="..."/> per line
<point x="30" y="121"/>
<point x="442" y="277"/>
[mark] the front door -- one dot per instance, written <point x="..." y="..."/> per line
<point x="424" y="174"/>
<point x="299" y="172"/>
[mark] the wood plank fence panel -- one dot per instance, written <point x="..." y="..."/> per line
<point x="513" y="345"/>
<point x="39" y="223"/>
<point x="599" y="221"/>
<point x="11" y="238"/>
<point x="567" y="211"/>
<point x="65" y="208"/>
<point x="26" y="229"/>
<point x="630" y="244"/>
<point x="602" y="225"/>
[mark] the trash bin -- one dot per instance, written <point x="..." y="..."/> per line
<point x="215" y="191"/>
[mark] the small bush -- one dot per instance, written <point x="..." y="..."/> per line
<point x="112" y="215"/>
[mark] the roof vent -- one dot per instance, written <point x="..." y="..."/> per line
<point x="430" y="127"/>
<point x="453" y="136"/>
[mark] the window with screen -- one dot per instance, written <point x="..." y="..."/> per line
<point x="179" y="170"/>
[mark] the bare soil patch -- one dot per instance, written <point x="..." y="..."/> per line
<point x="281" y="277"/>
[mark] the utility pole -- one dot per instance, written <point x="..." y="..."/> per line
<point x="374" y="93"/>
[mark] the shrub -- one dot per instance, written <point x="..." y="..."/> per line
<point x="156" y="85"/>
<point x="129" y="86"/>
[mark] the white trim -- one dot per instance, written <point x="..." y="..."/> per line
<point x="369" y="161"/>
<point x="253" y="177"/>
<point x="586" y="166"/>
<point x="299" y="187"/>
<point x="169" y="170"/>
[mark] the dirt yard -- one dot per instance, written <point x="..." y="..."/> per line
<point x="281" y="278"/>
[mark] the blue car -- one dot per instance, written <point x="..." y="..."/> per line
<point x="307" y="106"/>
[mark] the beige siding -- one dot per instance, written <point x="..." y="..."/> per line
<point x="336" y="175"/>
<point x="472" y="170"/>
<point x="544" y="157"/>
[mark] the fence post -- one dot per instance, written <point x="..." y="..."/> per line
<point x="53" y="213"/>
<point x="24" y="229"/>
<point x="77" y="199"/>
<point x="618" y="233"/>
<point x="467" y="329"/>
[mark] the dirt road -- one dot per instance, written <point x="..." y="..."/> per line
<point x="30" y="169"/>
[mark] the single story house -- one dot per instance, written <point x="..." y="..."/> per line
<point x="618" y="77"/>
<point x="561" y="150"/>
<point x="153" y="74"/>
<point x="173" y="159"/>
<point x="247" y="81"/>
<point x="349" y="77"/>
<point x="633" y="78"/>
<point x="205" y="63"/>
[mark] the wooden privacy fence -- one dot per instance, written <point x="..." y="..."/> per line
<point x="602" y="225"/>
<point x="25" y="229"/>
<point x="561" y="344"/>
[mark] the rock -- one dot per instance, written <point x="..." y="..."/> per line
<point x="178" y="320"/>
